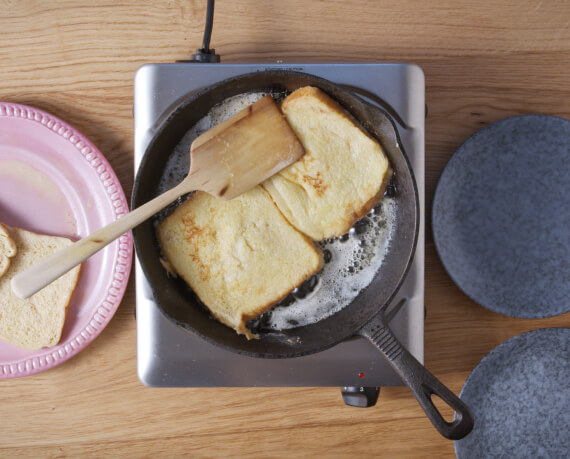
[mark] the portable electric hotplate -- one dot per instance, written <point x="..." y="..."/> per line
<point x="169" y="355"/>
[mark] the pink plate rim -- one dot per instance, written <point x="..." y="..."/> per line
<point x="47" y="358"/>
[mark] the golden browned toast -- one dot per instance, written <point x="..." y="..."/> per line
<point x="342" y="175"/>
<point x="239" y="256"/>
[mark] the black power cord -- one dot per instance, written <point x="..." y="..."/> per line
<point x="205" y="54"/>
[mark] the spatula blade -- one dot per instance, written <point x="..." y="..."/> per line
<point x="244" y="150"/>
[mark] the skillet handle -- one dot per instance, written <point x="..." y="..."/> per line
<point x="420" y="381"/>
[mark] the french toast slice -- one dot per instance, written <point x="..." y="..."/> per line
<point x="342" y="175"/>
<point x="239" y="256"/>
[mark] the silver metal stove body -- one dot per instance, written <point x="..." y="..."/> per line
<point x="169" y="356"/>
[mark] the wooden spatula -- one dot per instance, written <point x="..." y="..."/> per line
<point x="225" y="161"/>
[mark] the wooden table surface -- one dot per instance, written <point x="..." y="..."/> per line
<point x="483" y="60"/>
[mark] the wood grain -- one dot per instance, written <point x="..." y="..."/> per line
<point x="483" y="60"/>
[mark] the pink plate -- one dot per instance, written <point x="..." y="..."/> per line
<point x="55" y="181"/>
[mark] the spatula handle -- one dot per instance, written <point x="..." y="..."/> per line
<point x="36" y="277"/>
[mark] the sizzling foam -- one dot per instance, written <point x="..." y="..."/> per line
<point x="351" y="262"/>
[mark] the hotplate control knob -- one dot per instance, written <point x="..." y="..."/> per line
<point x="361" y="397"/>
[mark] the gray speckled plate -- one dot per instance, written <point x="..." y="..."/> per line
<point x="519" y="395"/>
<point x="501" y="216"/>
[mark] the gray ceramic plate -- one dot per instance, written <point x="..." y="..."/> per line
<point x="501" y="216"/>
<point x="519" y="395"/>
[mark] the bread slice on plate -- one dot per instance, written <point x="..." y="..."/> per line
<point x="342" y="175"/>
<point x="239" y="256"/>
<point x="7" y="249"/>
<point x="37" y="321"/>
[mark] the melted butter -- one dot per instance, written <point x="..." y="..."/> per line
<point x="351" y="262"/>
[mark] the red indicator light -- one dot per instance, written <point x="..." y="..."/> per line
<point x="361" y="375"/>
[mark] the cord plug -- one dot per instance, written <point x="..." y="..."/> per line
<point x="205" y="55"/>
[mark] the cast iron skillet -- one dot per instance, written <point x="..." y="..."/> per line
<point x="365" y="315"/>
